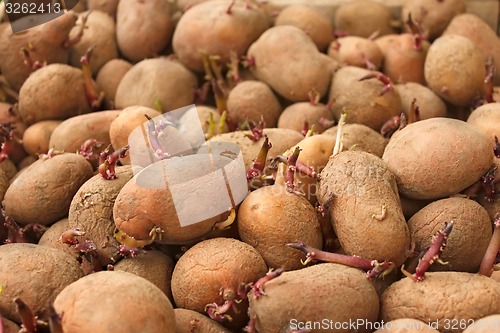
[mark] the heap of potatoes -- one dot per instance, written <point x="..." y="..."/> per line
<point x="363" y="134"/>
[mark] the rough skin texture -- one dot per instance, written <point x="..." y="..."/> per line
<point x="359" y="184"/>
<point x="430" y="105"/>
<point x="427" y="170"/>
<point x="114" y="302"/>
<point x="10" y="326"/>
<point x="360" y="137"/>
<point x="214" y="265"/>
<point x="270" y="217"/>
<point x="295" y="115"/>
<point x="189" y="321"/>
<point x="346" y="295"/>
<point x="50" y="237"/>
<point x="43" y="192"/>
<point x="467" y="243"/>
<point x="442" y="296"/>
<point x="34" y="273"/>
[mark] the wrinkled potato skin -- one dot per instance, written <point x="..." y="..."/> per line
<point x="44" y="183"/>
<point x="143" y="28"/>
<point x="271" y="217"/>
<point x="440" y="297"/>
<point x="406" y="325"/>
<point x="356" y="51"/>
<point x="486" y="118"/>
<point x="425" y="170"/>
<point x="429" y="104"/>
<point x="36" y="97"/>
<point x="54" y="271"/>
<point x="294" y="295"/>
<point x="148" y="311"/>
<point x="196" y="31"/>
<point x="360" y="184"/>
<point x="445" y="55"/>
<point x="362" y="99"/>
<point x="189" y="321"/>
<point x="109" y="78"/>
<point x="295" y="116"/>
<point x="36" y="138"/>
<point x="360" y="137"/>
<point x="466" y="245"/>
<point x="316" y="25"/>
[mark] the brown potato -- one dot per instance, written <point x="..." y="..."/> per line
<point x="488" y="324"/>
<point x="107" y="6"/>
<point x="143" y="29"/>
<point x="189" y="123"/>
<point x="9" y="168"/>
<point x="360" y="137"/>
<point x="425" y="170"/>
<point x="27" y="161"/>
<point x="206" y="275"/>
<point x="36" y="138"/>
<point x="109" y="78"/>
<point x="365" y="208"/>
<point x="8" y="326"/>
<point x="467" y="243"/>
<point x="429" y="104"/>
<point x="271" y="217"/>
<point x="4" y="184"/>
<point x="148" y="309"/>
<point x="356" y="51"/>
<point x="51" y="237"/>
<point x="55" y="270"/>
<point x="237" y="27"/>
<point x="189" y="321"/>
<point x="295" y="300"/>
<point x="31" y="197"/>
<point x="296" y="116"/>
<point x="144" y="84"/>
<point x="445" y="55"/>
<point x="362" y="99"/>
<point x="313" y="22"/>
<point x="406" y="325"/>
<point x="439" y="298"/>
<point x="486" y="118"/>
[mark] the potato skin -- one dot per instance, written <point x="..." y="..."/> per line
<point x="50" y="237"/>
<point x="9" y="326"/>
<point x="440" y="297"/>
<point x="36" y="138"/>
<point x="406" y="325"/>
<point x="355" y="51"/>
<point x="359" y="184"/>
<point x="55" y="270"/>
<point x="271" y="217"/>
<point x="189" y="321"/>
<point x="147" y="310"/>
<point x="430" y="105"/>
<point x="486" y="324"/>
<point x="32" y="196"/>
<point x="360" y="137"/>
<point x="467" y="243"/>
<point x="295" y="116"/>
<point x="345" y="292"/>
<point x="109" y="78"/>
<point x="486" y="118"/>
<point x="445" y="55"/>
<point x="425" y="170"/>
<point x="4" y="184"/>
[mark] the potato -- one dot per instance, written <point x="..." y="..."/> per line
<point x="429" y="104"/>
<point x="467" y="243"/>
<point x="356" y="51"/>
<point x="480" y="33"/>
<point x="45" y="43"/>
<point x="253" y="100"/>
<point x="107" y="6"/>
<point x="485" y="118"/>
<point x="360" y="137"/>
<point x="4" y="184"/>
<point x="433" y="16"/>
<point x="143" y="29"/>
<point x="237" y="27"/>
<point x="51" y="237"/>
<point x="295" y="116"/>
<point x="298" y="299"/>
<point x="128" y="120"/>
<point x="406" y="325"/>
<point x="271" y="217"/>
<point x="36" y="97"/>
<point x="100" y="33"/>
<point x="189" y="321"/>
<point x="403" y="62"/>
<point x="139" y="306"/>
<point x="363" y="17"/>
<point x="488" y="324"/>
<point x="9" y="168"/>
<point x="205" y="275"/>
<point x="361" y="187"/>
<point x="9" y="115"/>
<point x="55" y="270"/>
<point x="91" y="210"/>
<point x="439" y="298"/>
<point x="363" y="99"/>
<point x="426" y="170"/>
<point x="8" y="326"/>
<point x="496" y="276"/>
<point x="306" y="69"/>
<point x="189" y="123"/>
<point x="73" y="132"/>
<point x="313" y="22"/>
<point x="493" y="206"/>
<point x="144" y="84"/>
<point x="27" y="161"/>
<point x="445" y="55"/>
<point x="153" y="266"/>
<point x="32" y="196"/>
<point x="109" y="78"/>
<point x="36" y="138"/>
